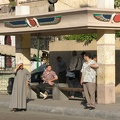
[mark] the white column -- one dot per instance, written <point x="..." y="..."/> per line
<point x="106" y="70"/>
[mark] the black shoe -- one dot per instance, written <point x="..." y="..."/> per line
<point x="86" y="107"/>
<point x="91" y="108"/>
<point x="22" y="110"/>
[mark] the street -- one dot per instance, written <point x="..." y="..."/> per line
<point x="6" y="114"/>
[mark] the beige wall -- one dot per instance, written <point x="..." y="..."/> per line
<point x="4" y="2"/>
<point x="64" y="48"/>
<point x="73" y="4"/>
<point x="37" y="7"/>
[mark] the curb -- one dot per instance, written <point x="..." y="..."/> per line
<point x="106" y="115"/>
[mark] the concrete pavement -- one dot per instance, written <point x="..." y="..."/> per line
<point x="70" y="107"/>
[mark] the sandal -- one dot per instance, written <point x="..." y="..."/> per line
<point x="14" y="110"/>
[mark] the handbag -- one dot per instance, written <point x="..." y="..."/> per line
<point x="70" y="74"/>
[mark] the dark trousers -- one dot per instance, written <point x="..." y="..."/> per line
<point x="77" y="74"/>
<point x="73" y="82"/>
<point x="40" y="88"/>
<point x="62" y="77"/>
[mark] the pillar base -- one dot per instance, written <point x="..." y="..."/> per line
<point x="106" y="94"/>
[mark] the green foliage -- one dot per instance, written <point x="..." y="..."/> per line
<point x="117" y="4"/>
<point x="81" y="37"/>
<point x="87" y="38"/>
<point x="117" y="34"/>
<point x="12" y="3"/>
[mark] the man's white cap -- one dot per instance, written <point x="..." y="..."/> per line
<point x="20" y="62"/>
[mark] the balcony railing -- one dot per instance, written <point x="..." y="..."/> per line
<point x="5" y="11"/>
<point x="36" y="7"/>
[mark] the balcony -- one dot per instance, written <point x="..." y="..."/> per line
<point x="36" y="7"/>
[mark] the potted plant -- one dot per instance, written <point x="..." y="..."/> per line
<point x="12" y="5"/>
